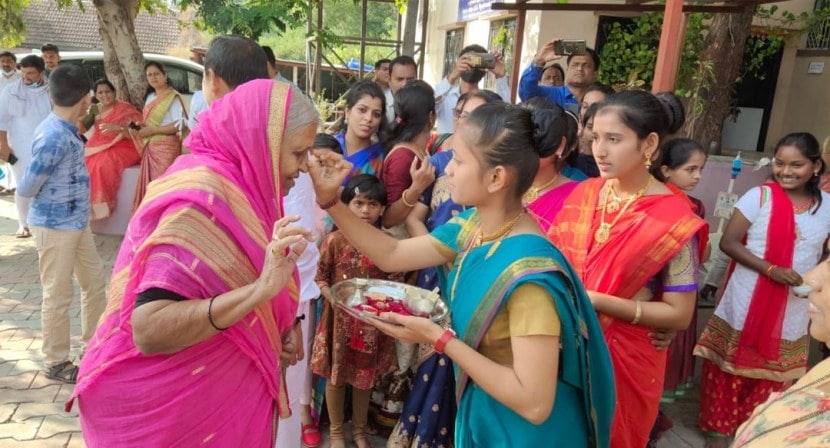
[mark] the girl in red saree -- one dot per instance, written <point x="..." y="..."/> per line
<point x="201" y="313"/>
<point x="158" y="137"/>
<point x="633" y="244"/>
<point x="110" y="149"/>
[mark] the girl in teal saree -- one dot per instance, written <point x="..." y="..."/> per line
<point x="532" y="368"/>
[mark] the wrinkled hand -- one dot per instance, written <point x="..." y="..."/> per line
<point x="786" y="276"/>
<point x="422" y="173"/>
<point x="661" y="339"/>
<point x="328" y="170"/>
<point x="288" y="243"/>
<point x="547" y="53"/>
<point x="409" y="329"/>
<point x="500" y="69"/>
<point x="292" y="346"/>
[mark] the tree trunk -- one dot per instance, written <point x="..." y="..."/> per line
<point x="724" y="51"/>
<point x="410" y="27"/>
<point x="123" y="58"/>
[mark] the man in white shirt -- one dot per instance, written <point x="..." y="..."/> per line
<point x="23" y="105"/>
<point x="465" y="78"/>
<point x="8" y="75"/>
<point x="402" y="69"/>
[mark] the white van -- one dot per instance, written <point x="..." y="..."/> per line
<point x="185" y="76"/>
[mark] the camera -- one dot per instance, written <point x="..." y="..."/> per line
<point x="569" y="47"/>
<point x="482" y="60"/>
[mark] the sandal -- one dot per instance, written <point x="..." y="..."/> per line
<point x="23" y="233"/>
<point x="311" y="435"/>
<point x="65" y="371"/>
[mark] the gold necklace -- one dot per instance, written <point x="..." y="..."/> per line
<point x="533" y="193"/>
<point x="603" y="232"/>
<point x="504" y="230"/>
<point x="477" y="240"/>
<point x="616" y="200"/>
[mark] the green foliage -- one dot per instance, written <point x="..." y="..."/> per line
<point x="11" y="18"/>
<point x="250" y="18"/>
<point x="342" y="18"/>
<point x="630" y="52"/>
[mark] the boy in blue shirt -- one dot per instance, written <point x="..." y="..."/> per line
<point x="58" y="182"/>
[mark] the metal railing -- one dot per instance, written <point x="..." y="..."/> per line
<point x="820" y="37"/>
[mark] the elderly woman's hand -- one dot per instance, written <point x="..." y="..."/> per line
<point x="328" y="170"/>
<point x="287" y="244"/>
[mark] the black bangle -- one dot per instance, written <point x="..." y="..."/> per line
<point x="299" y="319"/>
<point x="210" y="316"/>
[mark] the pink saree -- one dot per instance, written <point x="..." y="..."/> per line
<point x="114" y="153"/>
<point x="202" y="230"/>
<point x="547" y="206"/>
<point x="159" y="151"/>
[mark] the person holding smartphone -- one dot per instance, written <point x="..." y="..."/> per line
<point x="468" y="71"/>
<point x="580" y="72"/>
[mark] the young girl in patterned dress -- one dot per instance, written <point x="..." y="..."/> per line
<point x="346" y="351"/>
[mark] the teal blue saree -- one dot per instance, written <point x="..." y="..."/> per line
<point x="584" y="403"/>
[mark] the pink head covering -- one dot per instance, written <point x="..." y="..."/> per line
<point x="202" y="230"/>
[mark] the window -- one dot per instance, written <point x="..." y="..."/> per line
<point x="819" y="37"/>
<point x="453" y="44"/>
<point x="194" y="80"/>
<point x="177" y="77"/>
<point x="501" y="41"/>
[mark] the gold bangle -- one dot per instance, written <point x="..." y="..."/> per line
<point x="638" y="313"/>
<point x="771" y="268"/>
<point x="405" y="202"/>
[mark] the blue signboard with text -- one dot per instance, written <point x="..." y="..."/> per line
<point x="473" y="9"/>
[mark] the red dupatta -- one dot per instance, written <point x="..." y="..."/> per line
<point x="761" y="336"/>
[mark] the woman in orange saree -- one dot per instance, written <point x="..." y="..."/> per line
<point x="110" y="149"/>
<point x="158" y="138"/>
<point x="633" y="244"/>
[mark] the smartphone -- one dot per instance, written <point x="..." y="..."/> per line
<point x="482" y="60"/>
<point x="569" y="47"/>
<point x="12" y="159"/>
<point x="133" y="125"/>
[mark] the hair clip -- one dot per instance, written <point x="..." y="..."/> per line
<point x="399" y="120"/>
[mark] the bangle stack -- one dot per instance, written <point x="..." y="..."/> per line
<point x="210" y="316"/>
<point x="771" y="268"/>
<point x="638" y="313"/>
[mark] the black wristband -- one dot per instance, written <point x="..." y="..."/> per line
<point x="210" y="316"/>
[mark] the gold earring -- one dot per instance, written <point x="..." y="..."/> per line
<point x="648" y="161"/>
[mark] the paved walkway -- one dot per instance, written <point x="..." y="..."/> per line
<point x="32" y="406"/>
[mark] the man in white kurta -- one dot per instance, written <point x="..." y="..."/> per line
<point x="23" y="105"/>
<point x="8" y="75"/>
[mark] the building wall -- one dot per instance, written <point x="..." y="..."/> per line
<point x="804" y="102"/>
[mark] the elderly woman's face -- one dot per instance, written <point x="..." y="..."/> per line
<point x="818" y="279"/>
<point x="294" y="156"/>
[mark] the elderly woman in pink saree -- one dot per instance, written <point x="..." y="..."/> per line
<point x="200" y="320"/>
<point x="158" y="137"/>
<point x="110" y="149"/>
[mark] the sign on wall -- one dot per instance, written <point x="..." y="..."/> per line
<point x="473" y="9"/>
